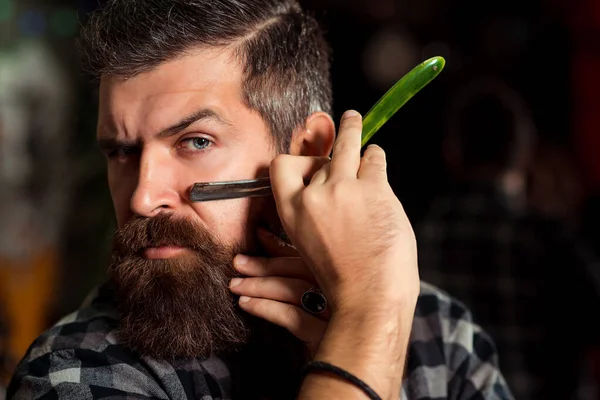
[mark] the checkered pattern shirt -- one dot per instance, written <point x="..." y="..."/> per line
<point x="527" y="282"/>
<point x="81" y="357"/>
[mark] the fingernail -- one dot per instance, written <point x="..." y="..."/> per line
<point x="241" y="259"/>
<point x="244" y="299"/>
<point x="235" y="281"/>
<point x="351" y="114"/>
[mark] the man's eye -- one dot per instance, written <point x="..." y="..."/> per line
<point x="196" y="143"/>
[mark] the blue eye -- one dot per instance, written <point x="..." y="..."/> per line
<point x="196" y="143"/>
<point x="200" y="143"/>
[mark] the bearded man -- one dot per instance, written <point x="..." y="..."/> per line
<point x="230" y="299"/>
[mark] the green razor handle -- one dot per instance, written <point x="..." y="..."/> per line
<point x="399" y="95"/>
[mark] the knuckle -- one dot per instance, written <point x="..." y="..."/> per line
<point x="260" y="268"/>
<point x="341" y="147"/>
<point x="272" y="264"/>
<point x="352" y="122"/>
<point x="375" y="155"/>
<point x="260" y="285"/>
<point x="291" y="315"/>
<point x="375" y="149"/>
<point x="300" y="287"/>
<point x="280" y="161"/>
<point x="311" y="198"/>
<point x="340" y="191"/>
<point x="259" y="306"/>
<point x="287" y="213"/>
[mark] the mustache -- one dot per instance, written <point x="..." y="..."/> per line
<point x="165" y="229"/>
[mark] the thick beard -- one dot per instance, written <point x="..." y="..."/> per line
<point x="175" y="308"/>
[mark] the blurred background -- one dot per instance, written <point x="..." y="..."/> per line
<point x="494" y="162"/>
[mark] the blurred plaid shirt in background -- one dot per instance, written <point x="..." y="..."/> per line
<point x="529" y="284"/>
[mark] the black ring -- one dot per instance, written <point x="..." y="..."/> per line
<point x="313" y="301"/>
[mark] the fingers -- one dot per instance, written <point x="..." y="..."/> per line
<point x="289" y="173"/>
<point x="285" y="267"/>
<point x="373" y="164"/>
<point x="345" y="160"/>
<point x="301" y="324"/>
<point x="321" y="175"/>
<point x="274" y="288"/>
<point x="284" y="290"/>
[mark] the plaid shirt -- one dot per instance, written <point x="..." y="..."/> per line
<point x="81" y="357"/>
<point x="527" y="282"/>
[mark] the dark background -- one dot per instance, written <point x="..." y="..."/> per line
<point x="545" y="49"/>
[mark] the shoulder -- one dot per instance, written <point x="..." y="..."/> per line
<point x="91" y="328"/>
<point x="80" y="357"/>
<point x="441" y="318"/>
<point x="448" y="346"/>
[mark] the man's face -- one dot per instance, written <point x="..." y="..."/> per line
<point x="162" y="131"/>
<point x="181" y="123"/>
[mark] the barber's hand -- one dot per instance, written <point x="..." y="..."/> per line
<point x="348" y="225"/>
<point x="272" y="289"/>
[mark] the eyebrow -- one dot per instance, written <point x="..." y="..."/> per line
<point x="108" y="144"/>
<point x="200" y="115"/>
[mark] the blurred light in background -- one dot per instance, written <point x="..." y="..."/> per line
<point x="32" y="22"/>
<point x="382" y="9"/>
<point x="389" y="54"/>
<point x="63" y="22"/>
<point x="6" y="10"/>
<point x="46" y="20"/>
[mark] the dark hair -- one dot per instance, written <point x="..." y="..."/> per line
<point x="285" y="58"/>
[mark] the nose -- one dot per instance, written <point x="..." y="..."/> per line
<point x="156" y="189"/>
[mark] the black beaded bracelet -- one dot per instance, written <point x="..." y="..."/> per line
<point x="323" y="366"/>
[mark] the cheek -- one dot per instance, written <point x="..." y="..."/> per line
<point x="229" y="220"/>
<point x="235" y="222"/>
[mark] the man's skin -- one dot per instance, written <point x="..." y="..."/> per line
<point x="350" y="231"/>
<point x="159" y="179"/>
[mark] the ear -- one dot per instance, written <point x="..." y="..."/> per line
<point x="316" y="138"/>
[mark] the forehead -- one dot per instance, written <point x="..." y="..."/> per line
<point x="209" y="78"/>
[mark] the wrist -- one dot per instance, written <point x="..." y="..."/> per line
<point x="371" y="330"/>
<point x="370" y="347"/>
<point x="379" y="307"/>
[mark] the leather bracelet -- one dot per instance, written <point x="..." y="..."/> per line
<point x="347" y="376"/>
